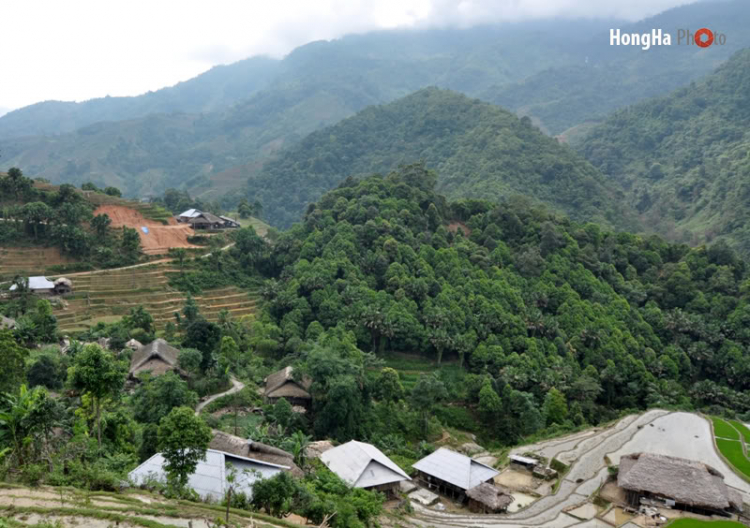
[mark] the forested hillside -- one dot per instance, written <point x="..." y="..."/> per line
<point x="684" y="159"/>
<point x="605" y="78"/>
<point x="316" y="85"/>
<point x="213" y="90"/>
<point x="537" y="308"/>
<point x="480" y="151"/>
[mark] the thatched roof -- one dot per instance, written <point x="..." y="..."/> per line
<point x="282" y="384"/>
<point x="492" y="496"/>
<point x="7" y="323"/>
<point x="684" y="481"/>
<point x="62" y="281"/>
<point x="157" y="357"/>
<point x="256" y="450"/>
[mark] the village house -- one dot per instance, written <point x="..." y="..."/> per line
<point x="452" y="474"/>
<point x="43" y="286"/>
<point x="235" y="445"/>
<point x="206" y="221"/>
<point x="489" y="498"/>
<point x="210" y="477"/>
<point x="157" y="358"/>
<point x="660" y="480"/>
<point x="282" y="384"/>
<point x="364" y="466"/>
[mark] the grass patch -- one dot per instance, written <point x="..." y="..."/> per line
<point x="744" y="431"/>
<point x="732" y="451"/>
<point x="695" y="523"/>
<point x="722" y="429"/>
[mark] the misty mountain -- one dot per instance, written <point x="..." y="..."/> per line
<point x="604" y="78"/>
<point x="215" y="89"/>
<point x="684" y="159"/>
<point x="479" y="151"/>
<point x="314" y="86"/>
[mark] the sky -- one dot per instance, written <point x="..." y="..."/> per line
<point x="81" y="49"/>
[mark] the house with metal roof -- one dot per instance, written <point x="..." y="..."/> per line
<point x="187" y="215"/>
<point x="452" y="473"/>
<point x="40" y="285"/>
<point x="210" y="477"/>
<point x="364" y="466"/>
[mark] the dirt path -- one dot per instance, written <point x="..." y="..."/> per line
<point x="237" y="386"/>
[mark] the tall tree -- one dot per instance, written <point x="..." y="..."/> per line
<point x="96" y="372"/>
<point x="183" y="439"/>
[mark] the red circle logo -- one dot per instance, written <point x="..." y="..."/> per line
<point x="699" y="37"/>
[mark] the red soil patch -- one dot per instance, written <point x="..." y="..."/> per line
<point x="455" y="226"/>
<point x="159" y="238"/>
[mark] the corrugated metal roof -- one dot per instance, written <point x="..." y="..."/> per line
<point x="38" y="283"/>
<point x="190" y="213"/>
<point x="362" y="465"/>
<point x="209" y="479"/>
<point x="455" y="468"/>
<point x="523" y="459"/>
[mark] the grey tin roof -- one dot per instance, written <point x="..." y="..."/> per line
<point x="455" y="468"/>
<point x="362" y="465"/>
<point x="209" y="479"/>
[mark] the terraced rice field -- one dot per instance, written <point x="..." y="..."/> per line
<point x="106" y="296"/>
<point x="731" y="440"/>
<point x="69" y="508"/>
<point x="723" y="429"/>
<point x="29" y="261"/>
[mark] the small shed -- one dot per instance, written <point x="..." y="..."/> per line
<point x="157" y="357"/>
<point x="489" y="498"/>
<point x="523" y="461"/>
<point x="364" y="466"/>
<point x="63" y="286"/>
<point x="210" y="477"/>
<point x="230" y="223"/>
<point x="282" y="384"/>
<point x="452" y="473"/>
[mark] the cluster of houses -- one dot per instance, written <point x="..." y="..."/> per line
<point x="206" y="221"/>
<point x="646" y="480"/>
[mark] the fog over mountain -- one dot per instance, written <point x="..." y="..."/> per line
<point x="177" y="42"/>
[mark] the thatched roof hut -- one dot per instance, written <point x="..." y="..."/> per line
<point x="256" y="450"/>
<point x="489" y="498"/>
<point x="687" y="482"/>
<point x="158" y="357"/>
<point x="282" y="384"/>
<point x="63" y="285"/>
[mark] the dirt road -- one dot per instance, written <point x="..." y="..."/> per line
<point x="237" y="386"/>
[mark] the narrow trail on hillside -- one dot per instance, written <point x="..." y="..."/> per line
<point x="237" y="386"/>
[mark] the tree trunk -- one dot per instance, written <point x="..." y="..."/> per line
<point x="440" y="355"/>
<point x="229" y="500"/>
<point x="99" y="422"/>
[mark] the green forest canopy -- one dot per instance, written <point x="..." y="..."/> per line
<point x="684" y="159"/>
<point x="529" y="301"/>
<point x="479" y="150"/>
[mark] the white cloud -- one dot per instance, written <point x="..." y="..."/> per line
<point x="89" y="48"/>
